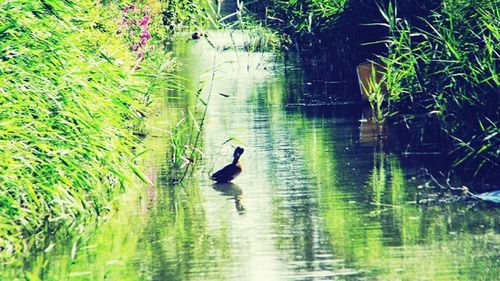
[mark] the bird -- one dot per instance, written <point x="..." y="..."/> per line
<point x="197" y="35"/>
<point x="232" y="170"/>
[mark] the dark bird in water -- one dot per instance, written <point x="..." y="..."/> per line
<point x="197" y="35"/>
<point x="232" y="170"/>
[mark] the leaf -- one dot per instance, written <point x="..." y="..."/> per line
<point x="140" y="175"/>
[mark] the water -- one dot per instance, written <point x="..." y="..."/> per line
<point x="320" y="198"/>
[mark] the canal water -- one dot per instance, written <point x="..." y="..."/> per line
<point x="320" y="196"/>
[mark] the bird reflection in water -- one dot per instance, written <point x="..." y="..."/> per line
<point x="231" y="190"/>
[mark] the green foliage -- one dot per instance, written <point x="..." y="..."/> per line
<point x="447" y="67"/>
<point x="71" y="98"/>
<point x="304" y="16"/>
<point x="187" y="14"/>
<point x="260" y="38"/>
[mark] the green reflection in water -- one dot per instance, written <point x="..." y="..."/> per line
<point x="374" y="228"/>
<point x="343" y="207"/>
<point x="161" y="236"/>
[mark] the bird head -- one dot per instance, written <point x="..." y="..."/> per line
<point x="237" y="152"/>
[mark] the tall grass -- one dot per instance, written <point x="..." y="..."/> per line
<point x="300" y="17"/>
<point x="447" y="69"/>
<point x="187" y="14"/>
<point x="259" y="36"/>
<point x="71" y="96"/>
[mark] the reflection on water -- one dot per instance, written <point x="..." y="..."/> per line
<point x="316" y="199"/>
<point x="232" y="191"/>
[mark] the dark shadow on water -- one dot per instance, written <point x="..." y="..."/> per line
<point x="233" y="191"/>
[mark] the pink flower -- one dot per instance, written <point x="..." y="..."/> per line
<point x="125" y="9"/>
<point x="135" y="47"/>
<point x="140" y="55"/>
<point x="143" y="41"/>
<point x="132" y="7"/>
<point x="145" y="35"/>
<point x="144" y="21"/>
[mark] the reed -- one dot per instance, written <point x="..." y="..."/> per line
<point x="446" y="69"/>
<point x="185" y="143"/>
<point x="188" y="14"/>
<point x="73" y="89"/>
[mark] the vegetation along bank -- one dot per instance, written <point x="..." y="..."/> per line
<point x="439" y="61"/>
<point x="75" y="82"/>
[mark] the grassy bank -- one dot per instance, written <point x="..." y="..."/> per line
<point x="446" y="69"/>
<point x="440" y="59"/>
<point x="75" y="80"/>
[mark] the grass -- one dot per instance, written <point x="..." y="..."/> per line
<point x="75" y="81"/>
<point x="300" y="17"/>
<point x="446" y="68"/>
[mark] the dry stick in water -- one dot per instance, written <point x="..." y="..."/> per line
<point x="463" y="189"/>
